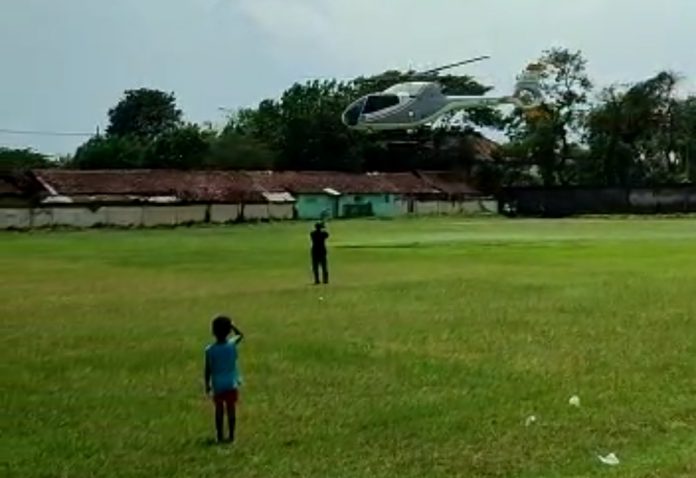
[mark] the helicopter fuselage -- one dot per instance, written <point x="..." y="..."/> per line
<point x="413" y="104"/>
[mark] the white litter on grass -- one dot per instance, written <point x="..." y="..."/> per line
<point x="574" y="401"/>
<point x="530" y="420"/>
<point x="321" y="299"/>
<point x="610" y="459"/>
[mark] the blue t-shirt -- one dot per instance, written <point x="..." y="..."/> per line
<point x="222" y="360"/>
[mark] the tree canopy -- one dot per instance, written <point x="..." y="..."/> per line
<point x="16" y="159"/>
<point x="641" y="133"/>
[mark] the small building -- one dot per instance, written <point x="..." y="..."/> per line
<point x="322" y="195"/>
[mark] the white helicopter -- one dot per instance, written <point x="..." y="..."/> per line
<point x="408" y="105"/>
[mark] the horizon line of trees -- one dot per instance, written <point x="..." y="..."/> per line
<point x="641" y="133"/>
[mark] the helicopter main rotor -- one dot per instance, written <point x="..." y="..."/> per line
<point x="434" y="71"/>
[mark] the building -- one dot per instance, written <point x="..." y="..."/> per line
<point x="147" y="198"/>
<point x="321" y="194"/>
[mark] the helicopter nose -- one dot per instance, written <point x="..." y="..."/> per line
<point x="351" y="115"/>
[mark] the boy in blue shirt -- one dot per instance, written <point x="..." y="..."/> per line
<point x="222" y="375"/>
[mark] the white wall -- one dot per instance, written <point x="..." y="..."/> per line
<point x="15" y="218"/>
<point x="467" y="206"/>
<point x="280" y="211"/>
<point x="223" y="213"/>
<point x="255" y="212"/>
<point x="150" y="216"/>
<point x="124" y="216"/>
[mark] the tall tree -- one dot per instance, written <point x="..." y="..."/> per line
<point x="110" y="152"/>
<point x="549" y="136"/>
<point x="186" y="147"/>
<point x="144" y="113"/>
<point x="234" y="150"/>
<point x="685" y="128"/>
<point x="638" y="134"/>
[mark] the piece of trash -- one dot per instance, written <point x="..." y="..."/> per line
<point x="574" y="401"/>
<point x="610" y="459"/>
<point x="321" y="299"/>
<point x="530" y="420"/>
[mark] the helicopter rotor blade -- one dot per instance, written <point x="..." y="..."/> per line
<point x="452" y="65"/>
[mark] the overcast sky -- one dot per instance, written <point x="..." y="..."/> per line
<point x="63" y="63"/>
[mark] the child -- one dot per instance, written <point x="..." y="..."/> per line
<point x="222" y="375"/>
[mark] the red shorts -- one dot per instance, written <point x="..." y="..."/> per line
<point x="229" y="398"/>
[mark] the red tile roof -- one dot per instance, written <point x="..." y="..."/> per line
<point x="227" y="186"/>
<point x="315" y="182"/>
<point x="449" y="182"/>
<point x="188" y="185"/>
<point x="408" y="183"/>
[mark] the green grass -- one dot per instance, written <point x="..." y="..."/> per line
<point x="435" y="341"/>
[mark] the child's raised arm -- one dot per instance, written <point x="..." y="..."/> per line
<point x="238" y="333"/>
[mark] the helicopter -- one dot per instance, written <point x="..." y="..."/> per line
<point x="408" y="105"/>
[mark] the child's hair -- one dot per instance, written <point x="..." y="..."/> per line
<point x="222" y="326"/>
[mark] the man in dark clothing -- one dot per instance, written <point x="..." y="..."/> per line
<point x="319" y="237"/>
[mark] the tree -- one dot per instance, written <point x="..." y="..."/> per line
<point x="234" y="150"/>
<point x="144" y="113"/>
<point x="549" y="136"/>
<point x="110" y="152"/>
<point x="186" y="147"/>
<point x="22" y="159"/>
<point x="640" y="134"/>
<point x="304" y="129"/>
<point x="685" y="130"/>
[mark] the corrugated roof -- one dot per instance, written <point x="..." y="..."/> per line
<point x="188" y="185"/>
<point x="449" y="182"/>
<point x="315" y="182"/>
<point x="408" y="183"/>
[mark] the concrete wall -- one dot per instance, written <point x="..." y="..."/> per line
<point x="124" y="216"/>
<point x="223" y="213"/>
<point x="255" y="212"/>
<point x="465" y="206"/>
<point x="281" y="211"/>
<point x="172" y="215"/>
<point x="15" y="218"/>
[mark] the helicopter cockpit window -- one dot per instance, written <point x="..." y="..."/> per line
<point x="352" y="114"/>
<point x="379" y="102"/>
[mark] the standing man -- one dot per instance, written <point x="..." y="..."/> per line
<point x="319" y="237"/>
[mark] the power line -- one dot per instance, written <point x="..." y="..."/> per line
<point x="42" y="133"/>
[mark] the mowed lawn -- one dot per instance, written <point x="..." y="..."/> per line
<point x="435" y="342"/>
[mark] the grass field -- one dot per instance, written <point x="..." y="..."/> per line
<point x="424" y="357"/>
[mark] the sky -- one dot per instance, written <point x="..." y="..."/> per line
<point x="64" y="63"/>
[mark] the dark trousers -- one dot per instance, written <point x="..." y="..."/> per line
<point x="319" y="261"/>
